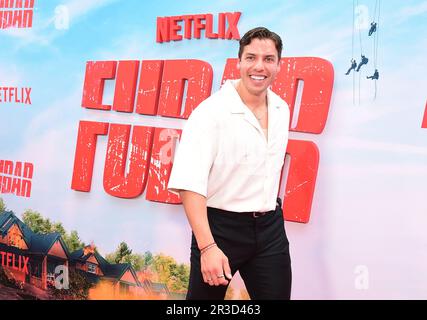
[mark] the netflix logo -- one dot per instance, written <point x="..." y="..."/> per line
<point x="15" y="95"/>
<point x="14" y="261"/>
<point x="16" y="177"/>
<point x="16" y="13"/>
<point x="190" y="26"/>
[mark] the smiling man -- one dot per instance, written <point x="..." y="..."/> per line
<point x="227" y="172"/>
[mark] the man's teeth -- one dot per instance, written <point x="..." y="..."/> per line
<point x="258" y="77"/>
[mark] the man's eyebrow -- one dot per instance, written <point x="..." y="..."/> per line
<point x="267" y="56"/>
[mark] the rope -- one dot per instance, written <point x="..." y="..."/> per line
<point x="378" y="33"/>
<point x="376" y="41"/>
<point x="360" y="33"/>
<point x="352" y="52"/>
<point x="352" y="35"/>
<point x="375" y="10"/>
<point x="375" y="95"/>
<point x="361" y="48"/>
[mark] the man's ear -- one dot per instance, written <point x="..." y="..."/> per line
<point x="238" y="64"/>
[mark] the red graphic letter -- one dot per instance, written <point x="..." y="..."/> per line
<point x="116" y="182"/>
<point x="149" y="87"/>
<point x="85" y="153"/>
<point x="232" y="31"/>
<point x="161" y="165"/>
<point x="301" y="180"/>
<point x="96" y="73"/>
<point x="199" y="78"/>
<point x="162" y="29"/>
<point x="124" y="93"/>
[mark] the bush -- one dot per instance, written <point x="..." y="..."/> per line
<point x="6" y="281"/>
<point x="78" y="288"/>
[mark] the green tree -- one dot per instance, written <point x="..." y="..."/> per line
<point x="174" y="275"/>
<point x="58" y="227"/>
<point x="166" y="270"/>
<point x="123" y="254"/>
<point x="73" y="241"/>
<point x="120" y="254"/>
<point x="162" y="265"/>
<point x="111" y="257"/>
<point x="182" y="275"/>
<point x="35" y="221"/>
<point x="135" y="260"/>
<point x="148" y="259"/>
<point x="122" y="251"/>
<point x="2" y="206"/>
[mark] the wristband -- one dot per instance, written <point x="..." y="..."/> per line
<point x="211" y="245"/>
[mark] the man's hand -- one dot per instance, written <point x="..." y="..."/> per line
<point x="214" y="264"/>
<point x="215" y="267"/>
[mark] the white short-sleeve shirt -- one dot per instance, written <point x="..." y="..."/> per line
<point x="224" y="155"/>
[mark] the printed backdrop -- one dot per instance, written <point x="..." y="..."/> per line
<point x="365" y="237"/>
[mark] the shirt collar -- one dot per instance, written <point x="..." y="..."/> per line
<point x="237" y="105"/>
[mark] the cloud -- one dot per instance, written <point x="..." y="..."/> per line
<point x="44" y="32"/>
<point x="79" y="8"/>
<point x="10" y="75"/>
<point x="412" y="11"/>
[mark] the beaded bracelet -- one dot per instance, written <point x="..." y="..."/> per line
<point x="211" y="245"/>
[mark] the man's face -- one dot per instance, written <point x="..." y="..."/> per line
<point x="259" y="65"/>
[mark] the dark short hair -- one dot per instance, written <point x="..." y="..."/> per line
<point x="260" y="33"/>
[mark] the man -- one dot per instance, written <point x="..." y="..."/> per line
<point x="373" y="28"/>
<point x="227" y="171"/>
<point x="362" y="62"/>
<point x="375" y="76"/>
<point x="352" y="67"/>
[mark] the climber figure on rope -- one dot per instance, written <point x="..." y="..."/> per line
<point x="373" y="28"/>
<point x="353" y="66"/>
<point x="375" y="76"/>
<point x="361" y="63"/>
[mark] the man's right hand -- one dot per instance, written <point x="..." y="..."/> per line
<point x="215" y="267"/>
<point x="213" y="262"/>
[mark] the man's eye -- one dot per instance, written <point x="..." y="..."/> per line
<point x="249" y="58"/>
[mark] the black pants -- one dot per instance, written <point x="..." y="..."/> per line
<point x="256" y="247"/>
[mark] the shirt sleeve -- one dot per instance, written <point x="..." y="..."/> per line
<point x="194" y="155"/>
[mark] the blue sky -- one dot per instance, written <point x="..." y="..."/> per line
<point x="373" y="154"/>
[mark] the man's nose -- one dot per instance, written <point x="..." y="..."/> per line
<point x="259" y="64"/>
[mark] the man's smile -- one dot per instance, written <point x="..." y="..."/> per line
<point x="258" y="77"/>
